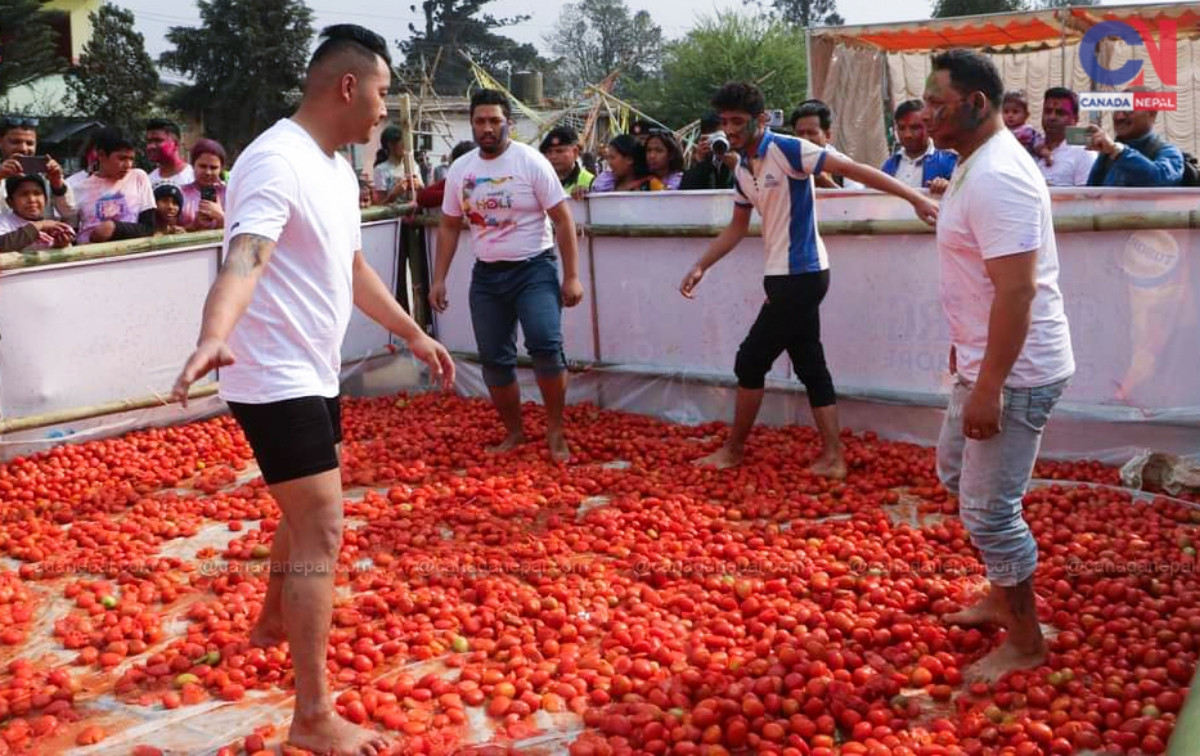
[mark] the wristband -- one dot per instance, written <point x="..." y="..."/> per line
<point x="60" y="191"/>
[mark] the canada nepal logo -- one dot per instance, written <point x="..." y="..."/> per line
<point x="1132" y="72"/>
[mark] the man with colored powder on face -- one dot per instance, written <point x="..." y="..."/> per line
<point x="163" y="147"/>
<point x="1010" y="342"/>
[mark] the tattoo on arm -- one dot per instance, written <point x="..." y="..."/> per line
<point x="247" y="253"/>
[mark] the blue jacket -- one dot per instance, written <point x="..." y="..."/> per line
<point x="938" y="164"/>
<point x="1148" y="161"/>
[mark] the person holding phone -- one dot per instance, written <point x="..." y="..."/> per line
<point x="204" y="198"/>
<point x="1069" y="161"/>
<point x="24" y="224"/>
<point x="18" y="157"/>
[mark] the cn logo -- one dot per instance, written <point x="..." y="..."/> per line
<point x="1132" y="32"/>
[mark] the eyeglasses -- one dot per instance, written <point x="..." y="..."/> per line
<point x="16" y="122"/>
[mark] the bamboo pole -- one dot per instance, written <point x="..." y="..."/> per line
<point x="34" y="259"/>
<point x="96" y="410"/>
<point x="406" y="137"/>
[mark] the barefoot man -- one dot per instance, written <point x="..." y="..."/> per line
<point x="274" y="324"/>
<point x="1011" y="347"/>
<point x="509" y="194"/>
<point x="775" y="175"/>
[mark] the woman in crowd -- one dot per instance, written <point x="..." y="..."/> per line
<point x="664" y="158"/>
<point x="204" y="198"/>
<point x="627" y="168"/>
<point x="391" y="178"/>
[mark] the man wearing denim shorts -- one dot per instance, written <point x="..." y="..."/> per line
<point x="1011" y="345"/>
<point x="509" y="194"/>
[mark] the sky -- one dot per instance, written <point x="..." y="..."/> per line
<point x="391" y="17"/>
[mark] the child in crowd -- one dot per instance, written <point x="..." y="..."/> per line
<point x="1016" y="113"/>
<point x="23" y="225"/>
<point x="163" y="218"/>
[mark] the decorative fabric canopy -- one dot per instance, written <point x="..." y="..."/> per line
<point x="1008" y="31"/>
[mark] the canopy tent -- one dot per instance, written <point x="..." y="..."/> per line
<point x="859" y="69"/>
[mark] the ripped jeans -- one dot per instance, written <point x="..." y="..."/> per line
<point x="990" y="477"/>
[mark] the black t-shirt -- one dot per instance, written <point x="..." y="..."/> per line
<point x="707" y="175"/>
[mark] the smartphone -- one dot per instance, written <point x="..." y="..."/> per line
<point x="33" y="164"/>
<point x="208" y="193"/>
<point x="1079" y="135"/>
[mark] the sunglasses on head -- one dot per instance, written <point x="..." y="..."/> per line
<point x="16" y="122"/>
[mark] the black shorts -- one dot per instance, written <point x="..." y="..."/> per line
<point x="293" y="438"/>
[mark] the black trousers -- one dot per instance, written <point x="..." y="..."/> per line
<point x="790" y="320"/>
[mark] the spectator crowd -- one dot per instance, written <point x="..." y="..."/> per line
<point x="112" y="199"/>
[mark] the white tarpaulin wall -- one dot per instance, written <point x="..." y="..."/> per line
<point x="850" y="74"/>
<point x="1130" y="298"/>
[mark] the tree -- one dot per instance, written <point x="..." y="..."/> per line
<point x="247" y="63"/>
<point x="454" y="25"/>
<point x="115" y="81"/>
<point x="805" y="13"/>
<point x="952" y="8"/>
<point x="28" y="44"/>
<point x="1066" y="3"/>
<point x="593" y="37"/>
<point x="725" y="48"/>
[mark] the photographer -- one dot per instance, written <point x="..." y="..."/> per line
<point x="18" y="153"/>
<point x="711" y="168"/>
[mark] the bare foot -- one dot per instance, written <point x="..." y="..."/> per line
<point x="1004" y="659"/>
<point x="989" y="610"/>
<point x="507" y="445"/>
<point x="333" y="735"/>
<point x="721" y="459"/>
<point x="829" y="466"/>
<point x="267" y="631"/>
<point x="559" y="451"/>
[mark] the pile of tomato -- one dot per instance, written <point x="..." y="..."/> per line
<point x="629" y="598"/>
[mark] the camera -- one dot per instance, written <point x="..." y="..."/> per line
<point x="719" y="143"/>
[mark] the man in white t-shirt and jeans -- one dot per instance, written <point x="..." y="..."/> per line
<point x="1011" y="345"/>
<point x="509" y="194"/>
<point x="274" y="324"/>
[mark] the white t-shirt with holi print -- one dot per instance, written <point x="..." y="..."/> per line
<point x="505" y="200"/>
<point x="101" y="199"/>
<point x="998" y="205"/>
<point x="181" y="179"/>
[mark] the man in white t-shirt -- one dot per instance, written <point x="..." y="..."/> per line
<point x="1011" y="345"/>
<point x="163" y="146"/>
<point x="1069" y="164"/>
<point x="509" y="194"/>
<point x="274" y="324"/>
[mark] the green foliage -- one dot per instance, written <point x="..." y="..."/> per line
<point x="247" y="62"/>
<point x="726" y="48"/>
<point x="28" y="44"/>
<point x="116" y="81"/>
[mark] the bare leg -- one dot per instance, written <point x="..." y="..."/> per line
<point x="1024" y="647"/>
<point x="991" y="609"/>
<point x="744" y="415"/>
<point x="554" y="396"/>
<point x="831" y="463"/>
<point x="268" y="630"/>
<point x="313" y="507"/>
<point x="508" y="403"/>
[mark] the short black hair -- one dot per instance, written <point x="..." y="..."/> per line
<point x="710" y="122"/>
<point x="908" y="107"/>
<point x="814" y="108"/>
<point x="10" y="123"/>
<point x="13" y="183"/>
<point x="740" y="95"/>
<point x="1017" y="97"/>
<point x="490" y="97"/>
<point x="111" y="139"/>
<point x="1063" y="93"/>
<point x="340" y="37"/>
<point x="164" y="124"/>
<point x="971" y="72"/>
<point x="460" y="149"/>
<point x="559" y="136"/>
